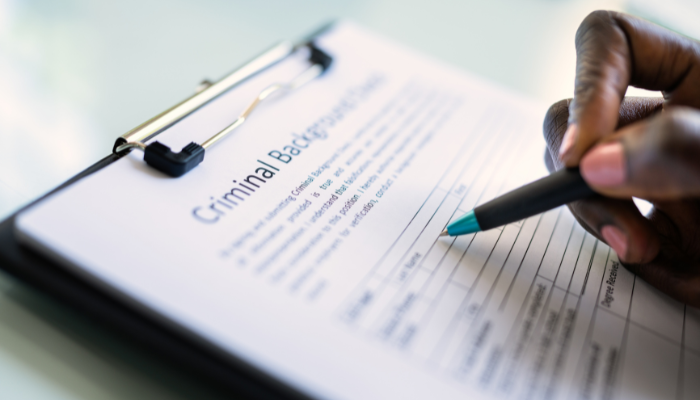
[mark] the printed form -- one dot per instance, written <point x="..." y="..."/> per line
<point x="307" y="244"/>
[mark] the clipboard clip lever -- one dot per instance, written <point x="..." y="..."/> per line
<point x="162" y="158"/>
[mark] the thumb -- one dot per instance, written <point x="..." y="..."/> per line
<point x="654" y="159"/>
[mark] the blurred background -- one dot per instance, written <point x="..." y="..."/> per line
<point x="75" y="74"/>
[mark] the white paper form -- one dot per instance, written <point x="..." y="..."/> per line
<point x="307" y="244"/>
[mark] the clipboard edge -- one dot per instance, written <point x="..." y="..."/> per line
<point x="150" y="335"/>
<point x="228" y="371"/>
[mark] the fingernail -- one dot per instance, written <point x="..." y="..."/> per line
<point x="616" y="239"/>
<point x="567" y="144"/>
<point x="604" y="165"/>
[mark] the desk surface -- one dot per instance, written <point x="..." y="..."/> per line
<point x="76" y="74"/>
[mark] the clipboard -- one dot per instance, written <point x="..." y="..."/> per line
<point x="227" y="372"/>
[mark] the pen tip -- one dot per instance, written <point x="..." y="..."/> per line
<point x="444" y="233"/>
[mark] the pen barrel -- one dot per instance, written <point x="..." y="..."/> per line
<point x="562" y="187"/>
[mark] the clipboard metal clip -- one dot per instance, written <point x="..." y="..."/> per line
<point x="175" y="164"/>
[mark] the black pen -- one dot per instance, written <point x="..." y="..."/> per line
<point x="562" y="187"/>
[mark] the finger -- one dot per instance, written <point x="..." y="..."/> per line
<point x="676" y="223"/>
<point x="635" y="109"/>
<point x="632" y="109"/>
<point x="617" y="222"/>
<point x="614" y="51"/>
<point x="654" y="159"/>
<point x="620" y="224"/>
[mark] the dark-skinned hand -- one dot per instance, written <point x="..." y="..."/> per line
<point x="636" y="147"/>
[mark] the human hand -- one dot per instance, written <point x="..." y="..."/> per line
<point x="642" y="147"/>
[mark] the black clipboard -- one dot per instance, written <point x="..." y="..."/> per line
<point x="229" y="373"/>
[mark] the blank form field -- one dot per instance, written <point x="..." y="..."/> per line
<point x="656" y="311"/>
<point x="649" y="367"/>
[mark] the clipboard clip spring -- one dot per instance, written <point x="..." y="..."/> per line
<point x="162" y="158"/>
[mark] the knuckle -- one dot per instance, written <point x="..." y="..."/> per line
<point x="672" y="135"/>
<point x="634" y="109"/>
<point x="555" y="123"/>
<point x="589" y="213"/>
<point x="597" y="22"/>
<point x="662" y="158"/>
<point x="600" y="43"/>
<point x="596" y="18"/>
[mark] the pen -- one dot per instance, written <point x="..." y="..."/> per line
<point x="561" y="187"/>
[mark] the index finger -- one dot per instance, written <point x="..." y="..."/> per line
<point x="614" y="51"/>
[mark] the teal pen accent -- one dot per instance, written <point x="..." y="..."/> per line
<point x="465" y="225"/>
